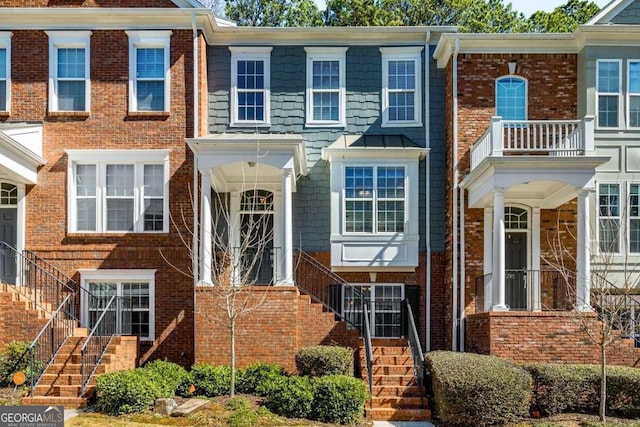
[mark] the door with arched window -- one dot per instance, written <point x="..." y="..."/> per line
<point x="517" y="280"/>
<point x="8" y="230"/>
<point x="256" y="249"/>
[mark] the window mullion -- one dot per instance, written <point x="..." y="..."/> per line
<point x="102" y="194"/>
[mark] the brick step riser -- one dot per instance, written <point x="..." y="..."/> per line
<point x="399" y="414"/>
<point x="71" y="369"/>
<point x="397" y="402"/>
<point x="388" y="351"/>
<point x="67" y="402"/>
<point x="394" y="381"/>
<point x="396" y="391"/>
<point x="392" y="370"/>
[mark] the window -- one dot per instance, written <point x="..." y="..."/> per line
<point x="132" y="309"/>
<point x="634" y="218"/>
<point x="374" y="199"/>
<point x="511" y="98"/>
<point x="326" y="86"/>
<point x="149" y="71"/>
<point x="69" y="83"/>
<point x="8" y="194"/>
<point x="126" y="191"/>
<point x="633" y="94"/>
<point x="608" y="88"/>
<point x="609" y="217"/>
<point x="5" y="71"/>
<point x="250" y="86"/>
<point x="401" y="87"/>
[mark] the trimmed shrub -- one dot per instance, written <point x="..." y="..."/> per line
<point x="623" y="391"/>
<point x="126" y="392"/>
<point x="319" y="360"/>
<point x="211" y="381"/>
<point x="565" y="388"/>
<point x="256" y="378"/>
<point x="290" y="397"/>
<point x="9" y="358"/>
<point x="338" y="399"/>
<point x="474" y="390"/>
<point x="170" y="377"/>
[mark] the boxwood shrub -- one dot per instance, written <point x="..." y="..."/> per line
<point x="170" y="377"/>
<point x="623" y="391"/>
<point x="290" y="396"/>
<point x="338" y="399"/>
<point x="475" y="390"/>
<point x="256" y="378"/>
<point x="319" y="360"/>
<point x="210" y="380"/>
<point x="10" y="362"/>
<point x="126" y="392"/>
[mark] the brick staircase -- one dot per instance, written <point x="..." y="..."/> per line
<point x="395" y="394"/>
<point x="20" y="318"/>
<point x="317" y="325"/>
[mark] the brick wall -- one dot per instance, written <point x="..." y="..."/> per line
<point x="18" y="320"/>
<point x="557" y="337"/>
<point x="110" y="126"/>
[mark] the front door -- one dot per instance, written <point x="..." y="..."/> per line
<point x="384" y="305"/>
<point x="256" y="251"/>
<point x="516" y="269"/>
<point x="8" y="234"/>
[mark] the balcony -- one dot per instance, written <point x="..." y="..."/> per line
<point x="541" y="163"/>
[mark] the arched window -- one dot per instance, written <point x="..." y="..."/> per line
<point x="8" y="194"/>
<point x="515" y="218"/>
<point x="511" y="98"/>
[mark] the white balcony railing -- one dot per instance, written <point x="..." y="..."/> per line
<point x="568" y="138"/>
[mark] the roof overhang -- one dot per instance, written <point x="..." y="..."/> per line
<point x="18" y="162"/>
<point x="395" y="147"/>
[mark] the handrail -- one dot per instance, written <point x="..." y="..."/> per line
<point x="368" y="348"/>
<point x="48" y="342"/>
<point x="101" y="335"/>
<point x="315" y="280"/>
<point x="416" y="350"/>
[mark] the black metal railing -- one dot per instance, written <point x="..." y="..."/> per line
<point x="325" y="287"/>
<point x="416" y="349"/>
<point x="555" y="290"/>
<point x="47" y="344"/>
<point x="114" y="319"/>
<point x="618" y="307"/>
<point x="368" y="348"/>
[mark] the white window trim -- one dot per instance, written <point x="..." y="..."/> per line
<point x="250" y="54"/>
<point x="64" y="40"/>
<point x="5" y="43"/>
<point x="402" y="54"/>
<point x="621" y="113"/>
<point x="526" y="93"/>
<point x="119" y="275"/>
<point x="326" y="54"/>
<point x="621" y="223"/>
<point x="149" y="39"/>
<point x="374" y="199"/>
<point x="139" y="158"/>
<point x="628" y="94"/>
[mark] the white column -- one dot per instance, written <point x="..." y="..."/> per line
<point x="287" y="227"/>
<point x="536" y="304"/>
<point x="499" y="293"/>
<point x="488" y="257"/>
<point x="583" y="262"/>
<point x="206" y="231"/>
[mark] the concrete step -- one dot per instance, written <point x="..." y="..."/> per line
<point x="397" y="414"/>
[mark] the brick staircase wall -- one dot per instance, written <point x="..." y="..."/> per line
<point x="20" y="319"/>
<point x="282" y="322"/>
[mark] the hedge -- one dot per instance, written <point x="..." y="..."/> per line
<point x="290" y="397"/>
<point x="319" y="360"/>
<point x="211" y="381"/>
<point x="475" y="390"/>
<point x="126" y="392"/>
<point x="338" y="399"/>
<point x="170" y="377"/>
<point x="256" y="378"/>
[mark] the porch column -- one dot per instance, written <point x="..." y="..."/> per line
<point x="488" y="258"/>
<point x="499" y="293"/>
<point x="537" y="274"/>
<point x="287" y="227"/>
<point x="206" y="231"/>
<point x="583" y="262"/>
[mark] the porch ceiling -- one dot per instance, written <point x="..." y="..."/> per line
<point x="17" y="161"/>
<point x="536" y="181"/>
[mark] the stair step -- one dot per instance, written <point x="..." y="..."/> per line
<point x="402" y="360"/>
<point x="67" y="402"/>
<point x="64" y="379"/>
<point x="398" y="380"/>
<point x="397" y="402"/>
<point x="395" y="391"/>
<point x="377" y="370"/>
<point x="391" y="351"/>
<point x="397" y="414"/>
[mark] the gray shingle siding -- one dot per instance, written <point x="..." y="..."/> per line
<point x="311" y="203"/>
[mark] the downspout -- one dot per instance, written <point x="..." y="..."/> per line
<point x="454" y="199"/>
<point x="195" y="265"/>
<point x="427" y="228"/>
<point x="463" y="279"/>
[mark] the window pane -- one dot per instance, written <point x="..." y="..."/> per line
<point x="120" y="214"/>
<point x="359" y="216"/>
<point x="3" y="63"/>
<point x="634" y="111"/>
<point x="358" y="182"/>
<point x="634" y="77"/>
<point x="251" y="106"/>
<point x="150" y="95"/>
<point x="608" y="111"/>
<point x="511" y="98"/>
<point x="153" y="180"/>
<point x="402" y="75"/>
<point x="609" y="200"/>
<point x="71" y="63"/>
<point x="609" y="221"/>
<point x="153" y="214"/>
<point x="86" y="197"/>
<point x="326" y="74"/>
<point x="391" y="216"/>
<point x="8" y="194"/>
<point x="390" y="182"/>
<point x="71" y="95"/>
<point x="3" y="95"/>
<point x="86" y="214"/>
<point x="150" y="63"/>
<point x="634" y="218"/>
<point x="120" y="180"/>
<point x="401" y="106"/>
<point x="250" y="75"/>
<point x="609" y="235"/>
<point x="326" y="106"/>
<point x="609" y="77"/>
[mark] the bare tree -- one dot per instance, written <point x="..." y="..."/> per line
<point x="241" y="258"/>
<point x="614" y="295"/>
<point x="216" y="5"/>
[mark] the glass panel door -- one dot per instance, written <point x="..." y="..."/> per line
<point x="386" y="311"/>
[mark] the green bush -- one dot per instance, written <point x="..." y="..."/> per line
<point x="170" y="377"/>
<point x="211" y="381"/>
<point x="623" y="391"/>
<point x="256" y="378"/>
<point x="126" y="392"/>
<point x="319" y="360"/>
<point x="338" y="399"/>
<point x="290" y="397"/>
<point x="474" y="390"/>
<point x="565" y="388"/>
<point x="243" y="414"/>
<point x="10" y="362"/>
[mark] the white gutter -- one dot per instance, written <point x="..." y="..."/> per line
<point x="463" y="278"/>
<point x="195" y="265"/>
<point x="427" y="229"/>
<point x="454" y="198"/>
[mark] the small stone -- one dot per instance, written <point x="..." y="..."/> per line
<point x="164" y="406"/>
